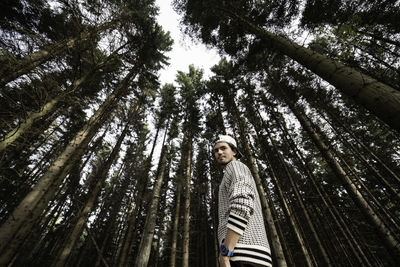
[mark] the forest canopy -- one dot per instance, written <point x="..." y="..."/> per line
<point x="103" y="165"/>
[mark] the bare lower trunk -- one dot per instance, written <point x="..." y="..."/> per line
<point x="305" y="212"/>
<point x="175" y="227"/>
<point x="186" y="218"/>
<point x="299" y="198"/>
<point x="129" y="238"/>
<point x="149" y="227"/>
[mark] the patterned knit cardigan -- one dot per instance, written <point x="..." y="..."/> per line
<point x="239" y="209"/>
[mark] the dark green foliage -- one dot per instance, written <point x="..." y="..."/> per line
<point x="18" y="15"/>
<point x="364" y="13"/>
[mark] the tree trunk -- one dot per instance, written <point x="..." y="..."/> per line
<point x="284" y="242"/>
<point x="381" y="179"/>
<point x="214" y="217"/>
<point x="186" y="218"/>
<point x="366" y="148"/>
<point x="130" y="233"/>
<point x="129" y="240"/>
<point x="375" y="202"/>
<point x="98" y="249"/>
<point x="19" y="223"/>
<point x="379" y="98"/>
<point x="149" y="227"/>
<point x="175" y="226"/>
<point x="32" y="141"/>
<point x="116" y="196"/>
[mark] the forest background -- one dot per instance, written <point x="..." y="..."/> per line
<point x="82" y="111"/>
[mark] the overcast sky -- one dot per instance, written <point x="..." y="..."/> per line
<point x="184" y="51"/>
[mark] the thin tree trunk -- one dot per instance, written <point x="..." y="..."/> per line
<point x="116" y="197"/>
<point x="374" y="200"/>
<point x="19" y="223"/>
<point x="285" y="242"/>
<point x="342" y="226"/>
<point x="390" y="241"/>
<point x="376" y="60"/>
<point x="303" y="208"/>
<point x="143" y="255"/>
<point x="382" y="180"/>
<point x="129" y="237"/>
<point x="154" y="143"/>
<point x="129" y="240"/>
<point x="30" y="142"/>
<point x="125" y="235"/>
<point x="186" y="218"/>
<point x="380" y="38"/>
<point x="214" y="218"/>
<point x="175" y="226"/>
<point x="99" y="251"/>
<point x="15" y="69"/>
<point x="357" y="152"/>
<point x="366" y="148"/>
<point x="288" y="212"/>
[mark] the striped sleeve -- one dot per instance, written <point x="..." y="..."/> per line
<point x="237" y="223"/>
<point x="241" y="197"/>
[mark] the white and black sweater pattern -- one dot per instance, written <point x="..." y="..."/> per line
<point x="239" y="209"/>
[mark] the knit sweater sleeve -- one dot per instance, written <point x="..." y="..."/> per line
<point x="241" y="196"/>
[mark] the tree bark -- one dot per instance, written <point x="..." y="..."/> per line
<point x="366" y="148"/>
<point x="130" y="233"/>
<point x="303" y="208"/>
<point x="186" y="218"/>
<point x="285" y="242"/>
<point x="381" y="179"/>
<point x="175" y="226"/>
